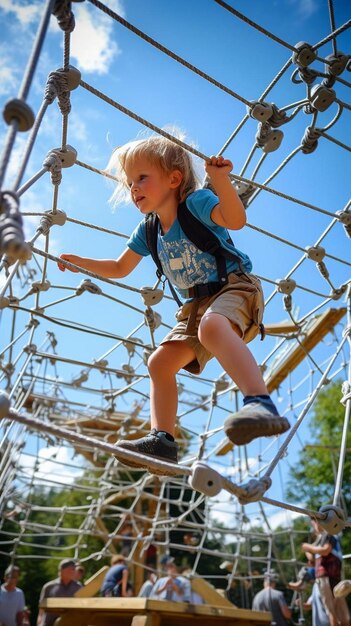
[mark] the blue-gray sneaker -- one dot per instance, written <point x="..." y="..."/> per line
<point x="252" y="421"/>
<point x="155" y="445"/>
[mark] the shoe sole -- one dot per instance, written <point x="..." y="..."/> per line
<point x="143" y="462"/>
<point x="242" y="430"/>
<point x="342" y="589"/>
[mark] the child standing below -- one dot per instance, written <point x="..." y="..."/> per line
<point x="160" y="176"/>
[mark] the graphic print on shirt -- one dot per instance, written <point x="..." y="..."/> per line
<point x="184" y="264"/>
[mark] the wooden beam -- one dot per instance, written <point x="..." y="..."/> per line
<point x="93" y="585"/>
<point x="319" y="328"/>
<point x="110" y="611"/>
<point x="209" y="593"/>
<point x="281" y="328"/>
<point x="153" y="619"/>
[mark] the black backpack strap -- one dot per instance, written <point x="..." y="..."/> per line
<point x="151" y="231"/>
<point x="206" y="240"/>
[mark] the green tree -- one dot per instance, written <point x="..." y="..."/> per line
<point x="316" y="470"/>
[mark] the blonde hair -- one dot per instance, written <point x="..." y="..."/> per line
<point x="159" y="151"/>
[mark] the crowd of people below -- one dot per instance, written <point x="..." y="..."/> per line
<point x="324" y="572"/>
<point x="173" y="585"/>
<point x="322" y="576"/>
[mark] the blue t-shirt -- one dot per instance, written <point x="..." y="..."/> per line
<point x="11" y="603"/>
<point x="183" y="263"/>
<point x="113" y="577"/>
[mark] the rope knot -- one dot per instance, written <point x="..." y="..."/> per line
<point x="278" y="117"/>
<point x="54" y="164"/>
<point x="57" y="86"/>
<point x="65" y="18"/>
<point x="308" y="75"/>
<point x="267" y="139"/>
<point x="254" y="490"/>
<point x="346" y="386"/>
<point x="309" y="141"/>
<point x="12" y="242"/>
<point x="152" y="319"/>
<point x="323" y="269"/>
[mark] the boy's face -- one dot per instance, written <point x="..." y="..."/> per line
<point x="150" y="187"/>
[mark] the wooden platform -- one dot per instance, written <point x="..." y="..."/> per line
<point x="144" y="612"/>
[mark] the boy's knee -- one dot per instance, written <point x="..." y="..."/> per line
<point x="154" y="360"/>
<point x="207" y="327"/>
<point x="160" y="361"/>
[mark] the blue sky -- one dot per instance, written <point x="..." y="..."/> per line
<point x="157" y="88"/>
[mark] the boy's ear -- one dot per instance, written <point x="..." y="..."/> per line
<point x="176" y="178"/>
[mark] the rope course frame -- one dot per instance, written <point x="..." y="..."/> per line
<point x="23" y="410"/>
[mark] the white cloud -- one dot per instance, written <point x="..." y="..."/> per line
<point x="8" y="73"/>
<point x="24" y="13"/>
<point x="92" y="43"/>
<point x="15" y="159"/>
<point x="305" y="8"/>
<point x="76" y="127"/>
<point x="53" y="463"/>
<point x="282" y="518"/>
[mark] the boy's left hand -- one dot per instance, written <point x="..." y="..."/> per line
<point x="216" y="164"/>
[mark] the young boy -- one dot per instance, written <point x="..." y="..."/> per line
<point x="159" y="175"/>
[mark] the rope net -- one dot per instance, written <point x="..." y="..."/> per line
<point x="74" y="347"/>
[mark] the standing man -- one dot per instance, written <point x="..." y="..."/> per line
<point x="172" y="587"/>
<point x="328" y="561"/>
<point x="271" y="600"/>
<point x="65" y="586"/>
<point x="12" y="601"/>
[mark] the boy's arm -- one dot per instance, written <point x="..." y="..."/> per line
<point x="230" y="211"/>
<point x="323" y="550"/>
<point x="108" y="268"/>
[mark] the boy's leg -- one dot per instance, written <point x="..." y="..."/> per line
<point x="163" y="365"/>
<point x="302" y="577"/>
<point x="259" y="416"/>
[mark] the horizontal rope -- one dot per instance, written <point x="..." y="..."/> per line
<point x="168" y="52"/>
<point x="196" y="152"/>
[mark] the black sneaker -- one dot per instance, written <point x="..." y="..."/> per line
<point x="254" y="420"/>
<point x="155" y="445"/>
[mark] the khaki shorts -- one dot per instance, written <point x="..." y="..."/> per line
<point x="240" y="301"/>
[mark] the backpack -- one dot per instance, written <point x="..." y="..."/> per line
<point x="204" y="239"/>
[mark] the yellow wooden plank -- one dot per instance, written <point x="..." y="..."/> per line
<point x="209" y="593"/>
<point x="93" y="584"/>
<point x="146" y="620"/>
<point x="57" y="605"/>
<point x="281" y="328"/>
<point x="110" y="611"/>
<point x="205" y="609"/>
